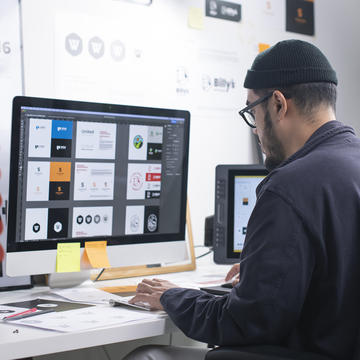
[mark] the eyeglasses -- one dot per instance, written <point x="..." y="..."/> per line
<point x="247" y="114"/>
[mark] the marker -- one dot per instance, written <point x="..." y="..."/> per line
<point x="24" y="316"/>
<point x="21" y="313"/>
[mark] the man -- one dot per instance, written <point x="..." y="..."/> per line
<point x="299" y="283"/>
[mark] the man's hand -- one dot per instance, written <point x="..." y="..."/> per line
<point x="234" y="271"/>
<point x="150" y="291"/>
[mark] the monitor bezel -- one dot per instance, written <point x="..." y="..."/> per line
<point x="24" y="101"/>
<point x="224" y="209"/>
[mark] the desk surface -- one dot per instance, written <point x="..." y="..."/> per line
<point x="23" y="341"/>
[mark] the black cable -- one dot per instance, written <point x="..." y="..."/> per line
<point x="202" y="255"/>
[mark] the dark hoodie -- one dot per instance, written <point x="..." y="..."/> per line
<point x="300" y="268"/>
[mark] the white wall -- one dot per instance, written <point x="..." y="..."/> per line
<point x="161" y="32"/>
<point x="167" y="44"/>
<point x="337" y="34"/>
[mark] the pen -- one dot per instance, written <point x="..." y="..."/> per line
<point x="19" y="317"/>
<point x="20" y="313"/>
<point x="100" y="273"/>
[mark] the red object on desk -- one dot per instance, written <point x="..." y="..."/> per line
<point x="21" y="313"/>
<point x="1" y="251"/>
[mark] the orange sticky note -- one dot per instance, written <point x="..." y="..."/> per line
<point x="68" y="257"/>
<point x="95" y="254"/>
<point x="263" y="47"/>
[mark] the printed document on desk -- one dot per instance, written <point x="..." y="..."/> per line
<point x="84" y="319"/>
<point x="88" y="295"/>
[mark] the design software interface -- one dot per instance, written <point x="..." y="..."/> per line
<point x="244" y="202"/>
<point x="89" y="174"/>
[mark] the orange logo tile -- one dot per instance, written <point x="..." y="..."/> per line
<point x="60" y="171"/>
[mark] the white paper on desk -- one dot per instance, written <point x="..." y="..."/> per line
<point x="10" y="310"/>
<point x="86" y="294"/>
<point x="196" y="281"/>
<point x="84" y="319"/>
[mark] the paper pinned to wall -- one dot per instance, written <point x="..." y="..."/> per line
<point x="300" y="17"/>
<point x="95" y="254"/>
<point x="195" y="18"/>
<point x="263" y="47"/>
<point x="68" y="257"/>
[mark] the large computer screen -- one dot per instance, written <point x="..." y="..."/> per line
<point x="89" y="171"/>
<point x="235" y="198"/>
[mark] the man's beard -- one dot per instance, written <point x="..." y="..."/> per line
<point x="276" y="154"/>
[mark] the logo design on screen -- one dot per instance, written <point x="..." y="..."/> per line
<point x="36" y="227"/>
<point x="134" y="223"/>
<point x="136" y="181"/>
<point x="58" y="226"/>
<point x="39" y="146"/>
<point x="138" y="141"/>
<point x="152" y="222"/>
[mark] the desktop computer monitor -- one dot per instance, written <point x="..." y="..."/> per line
<point x="89" y="171"/>
<point x="235" y="199"/>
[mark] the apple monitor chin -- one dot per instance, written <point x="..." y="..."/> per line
<point x="90" y="171"/>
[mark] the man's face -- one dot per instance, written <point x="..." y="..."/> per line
<point x="270" y="143"/>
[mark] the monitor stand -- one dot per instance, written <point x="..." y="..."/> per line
<point x="69" y="279"/>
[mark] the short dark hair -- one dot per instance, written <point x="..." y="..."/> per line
<point x="307" y="96"/>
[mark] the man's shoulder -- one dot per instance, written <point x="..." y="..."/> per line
<point x="296" y="172"/>
<point x="321" y="166"/>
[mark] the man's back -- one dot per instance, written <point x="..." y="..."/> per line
<point x="322" y="184"/>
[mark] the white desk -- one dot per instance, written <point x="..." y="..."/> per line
<point x="18" y="342"/>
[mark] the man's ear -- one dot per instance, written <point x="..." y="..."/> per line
<point x="280" y="104"/>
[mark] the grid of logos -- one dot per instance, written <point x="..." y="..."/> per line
<point x="143" y="178"/>
<point x="49" y="180"/>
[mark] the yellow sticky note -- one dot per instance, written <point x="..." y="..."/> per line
<point x="68" y="257"/>
<point x="95" y="253"/>
<point x="263" y="47"/>
<point x="196" y="18"/>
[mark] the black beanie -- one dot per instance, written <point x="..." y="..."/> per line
<point x="289" y="62"/>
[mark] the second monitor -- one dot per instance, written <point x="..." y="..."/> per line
<point x="235" y="199"/>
